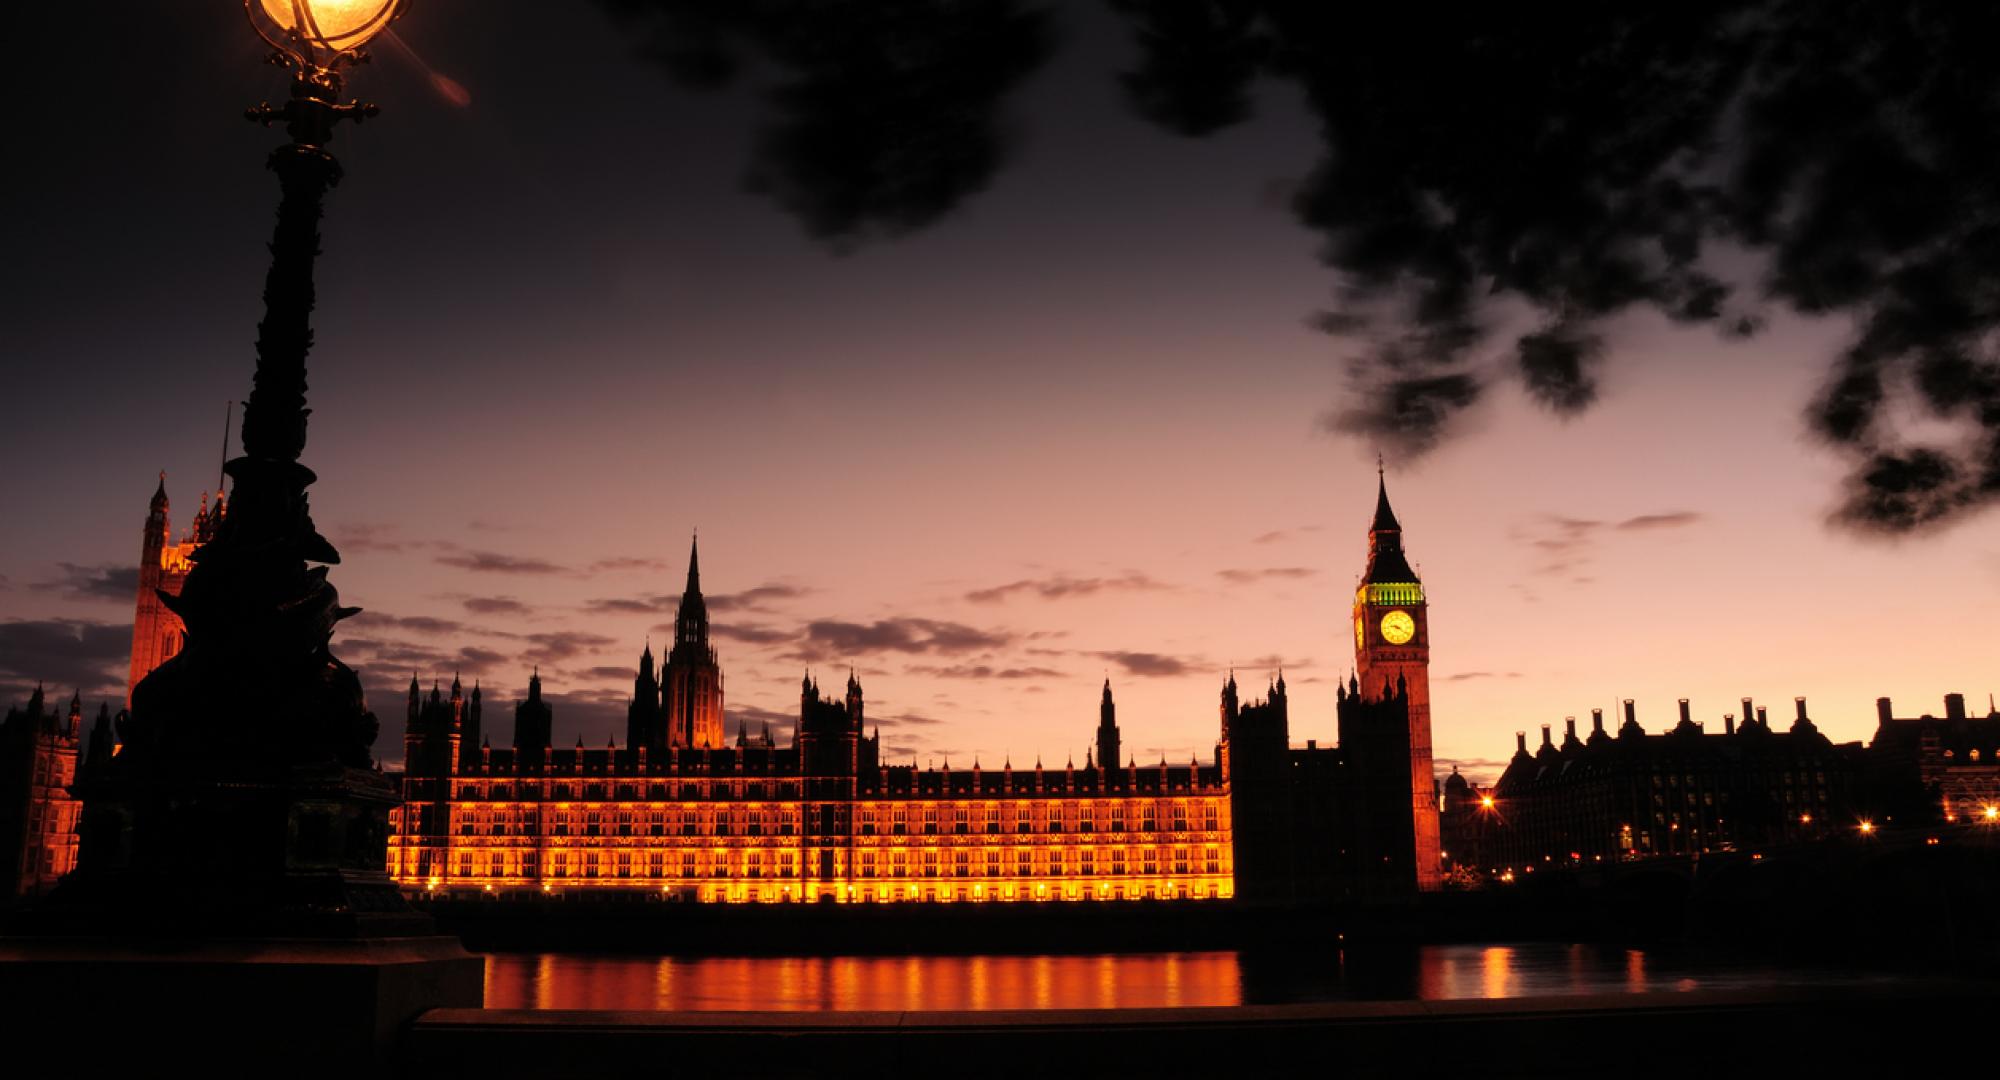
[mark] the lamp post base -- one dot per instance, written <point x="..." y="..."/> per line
<point x="238" y="1007"/>
<point x="234" y="850"/>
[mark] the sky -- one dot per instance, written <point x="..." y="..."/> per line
<point x="1073" y="431"/>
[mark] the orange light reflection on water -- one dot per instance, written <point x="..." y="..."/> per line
<point x="863" y="983"/>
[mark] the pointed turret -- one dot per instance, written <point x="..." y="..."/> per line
<point x="534" y="723"/>
<point x="691" y="684"/>
<point x="1107" y="727"/>
<point x="1386" y="561"/>
<point x="691" y="621"/>
<point x="101" y="745"/>
<point x="1385" y="518"/>
<point x="855" y="704"/>
<point x="645" y="726"/>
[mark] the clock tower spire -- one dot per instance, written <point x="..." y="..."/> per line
<point x="1392" y="655"/>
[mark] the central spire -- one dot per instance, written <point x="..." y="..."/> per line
<point x="691" y="623"/>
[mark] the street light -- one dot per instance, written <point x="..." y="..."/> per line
<point x="247" y="781"/>
<point x="324" y="27"/>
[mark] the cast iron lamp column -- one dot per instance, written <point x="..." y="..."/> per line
<point x="246" y="789"/>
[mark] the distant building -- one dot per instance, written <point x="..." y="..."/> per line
<point x="680" y="812"/>
<point x="1465" y="825"/>
<point x="39" y="752"/>
<point x="1685" y="792"/>
<point x="157" y="633"/>
<point x="1939" y="767"/>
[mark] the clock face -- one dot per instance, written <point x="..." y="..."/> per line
<point x="1398" y="627"/>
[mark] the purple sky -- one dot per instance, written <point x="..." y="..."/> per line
<point x="1072" y="430"/>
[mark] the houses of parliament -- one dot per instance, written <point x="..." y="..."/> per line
<point x="685" y="812"/>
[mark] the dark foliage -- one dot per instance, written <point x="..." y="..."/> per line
<point x="885" y="114"/>
<point x="1566" y="160"/>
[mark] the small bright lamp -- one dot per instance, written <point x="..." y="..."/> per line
<point x="321" y="32"/>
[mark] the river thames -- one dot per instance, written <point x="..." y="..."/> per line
<point x="1108" y="981"/>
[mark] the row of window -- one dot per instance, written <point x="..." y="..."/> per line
<point x="785" y="864"/>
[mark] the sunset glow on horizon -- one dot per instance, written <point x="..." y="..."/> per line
<point x="1075" y="432"/>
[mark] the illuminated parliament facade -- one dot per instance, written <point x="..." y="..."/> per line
<point x="681" y="811"/>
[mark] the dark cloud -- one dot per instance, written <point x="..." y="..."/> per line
<point x="1064" y="587"/>
<point x="983" y="671"/>
<point x="70" y="654"/>
<point x="1246" y="577"/>
<point x="750" y="633"/>
<point x="1277" y="535"/>
<point x="355" y="537"/>
<point x="400" y="655"/>
<point x="1464" y="676"/>
<point x="554" y="645"/>
<point x="904" y="720"/>
<point x="621" y="564"/>
<point x="757" y="716"/>
<point x="111" y="583"/>
<point x="605" y="672"/>
<point x="830" y="639"/>
<point x="761" y="599"/>
<point x="491" y="562"/>
<point x="473" y="658"/>
<point x="1272" y="662"/>
<point x="416" y="624"/>
<point x="1560" y="544"/>
<point x="1150" y="664"/>
<point x="1670" y="520"/>
<point x="494" y="605"/>
<point x="1565" y="545"/>
<point x="639" y="605"/>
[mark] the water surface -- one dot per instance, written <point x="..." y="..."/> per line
<point x="1124" y="980"/>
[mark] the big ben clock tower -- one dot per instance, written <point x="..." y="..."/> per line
<point x="1392" y="652"/>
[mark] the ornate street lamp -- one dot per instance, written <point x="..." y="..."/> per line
<point x="246" y="788"/>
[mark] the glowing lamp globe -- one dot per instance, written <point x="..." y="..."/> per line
<point x="312" y="29"/>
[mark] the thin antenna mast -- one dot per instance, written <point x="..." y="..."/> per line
<point x="228" y="409"/>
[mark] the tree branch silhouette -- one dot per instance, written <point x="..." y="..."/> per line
<point x="1568" y="161"/>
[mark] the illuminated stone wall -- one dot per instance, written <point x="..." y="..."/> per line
<point x="925" y="836"/>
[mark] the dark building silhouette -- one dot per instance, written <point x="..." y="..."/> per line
<point x="1937" y="767"/>
<point x="39" y="755"/>
<point x="1684" y="792"/>
<point x="534" y="722"/>
<point x="1107" y="728"/>
<point x="1392" y="648"/>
